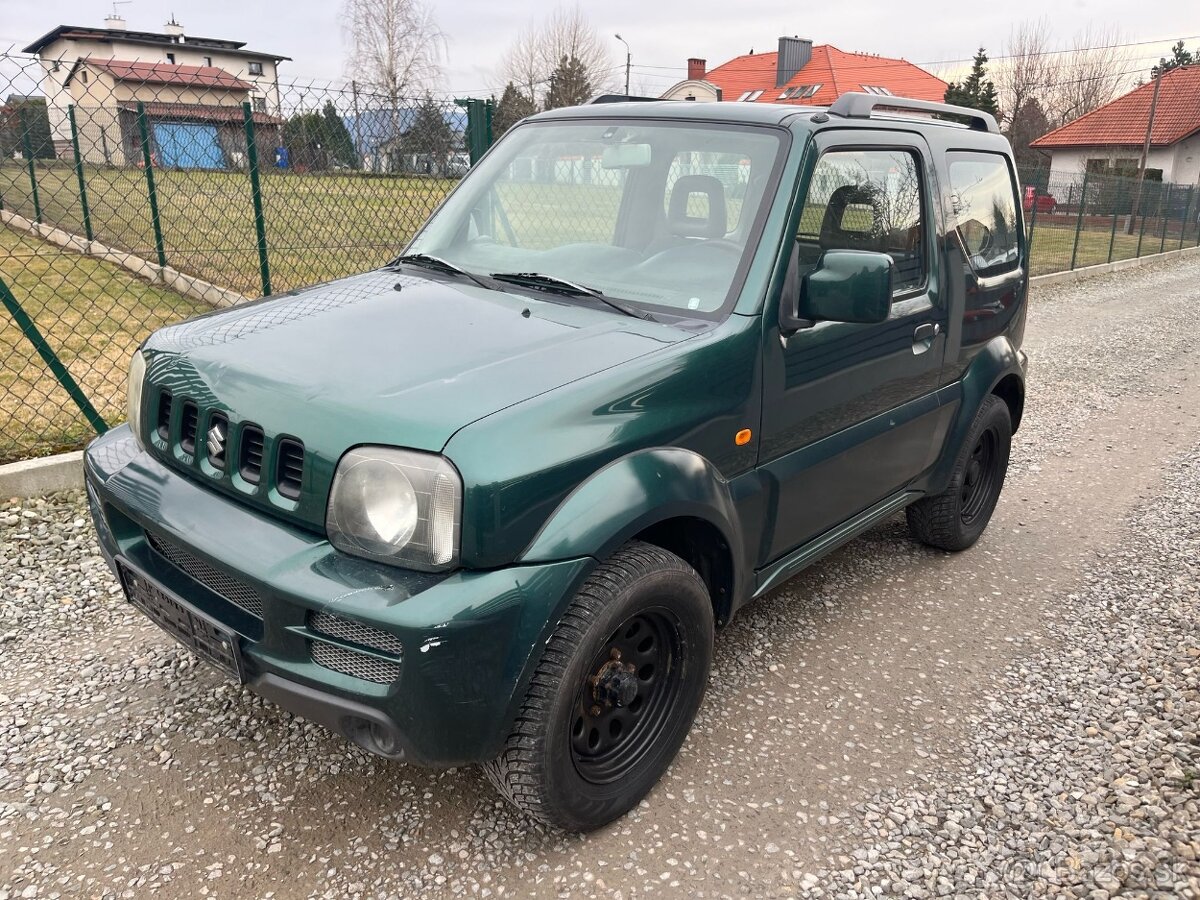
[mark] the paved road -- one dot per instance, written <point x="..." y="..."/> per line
<point x="1019" y="717"/>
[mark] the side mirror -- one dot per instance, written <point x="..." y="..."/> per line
<point x="847" y="286"/>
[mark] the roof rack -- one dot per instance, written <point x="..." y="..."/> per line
<point x="619" y="98"/>
<point x="861" y="106"/>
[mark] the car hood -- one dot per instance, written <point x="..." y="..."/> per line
<point x="389" y="358"/>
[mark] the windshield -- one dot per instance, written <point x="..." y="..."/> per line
<point x="653" y="213"/>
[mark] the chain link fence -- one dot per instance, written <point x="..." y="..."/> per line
<point x="133" y="195"/>
<point x="137" y="194"/>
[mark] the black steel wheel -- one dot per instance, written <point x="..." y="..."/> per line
<point x="955" y="518"/>
<point x="615" y="693"/>
<point x="628" y="699"/>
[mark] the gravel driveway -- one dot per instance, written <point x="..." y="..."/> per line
<point x="1018" y="720"/>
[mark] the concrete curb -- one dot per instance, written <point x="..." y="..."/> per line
<point x="188" y="285"/>
<point x="1105" y="268"/>
<point x="31" y="477"/>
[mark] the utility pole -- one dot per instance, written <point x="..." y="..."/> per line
<point x="1141" y="175"/>
<point x="628" y="61"/>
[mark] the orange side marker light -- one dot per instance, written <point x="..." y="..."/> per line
<point x="742" y="437"/>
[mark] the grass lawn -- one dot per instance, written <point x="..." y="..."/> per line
<point x="94" y="315"/>
<point x="319" y="227"/>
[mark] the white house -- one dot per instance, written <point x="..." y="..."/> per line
<point x="1109" y="140"/>
<point x="61" y="50"/>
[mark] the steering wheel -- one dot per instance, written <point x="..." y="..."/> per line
<point x="724" y="244"/>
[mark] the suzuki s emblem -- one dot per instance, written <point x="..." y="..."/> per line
<point x="216" y="441"/>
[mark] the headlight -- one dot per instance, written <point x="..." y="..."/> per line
<point x="396" y="506"/>
<point x="133" y="396"/>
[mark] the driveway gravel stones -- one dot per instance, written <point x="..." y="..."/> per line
<point x="1019" y="720"/>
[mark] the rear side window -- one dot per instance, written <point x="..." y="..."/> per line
<point x="984" y="197"/>
<point x="867" y="200"/>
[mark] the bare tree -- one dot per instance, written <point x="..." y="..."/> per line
<point x="1094" y="71"/>
<point x="540" y="48"/>
<point x="395" y="46"/>
<point x="1025" y="70"/>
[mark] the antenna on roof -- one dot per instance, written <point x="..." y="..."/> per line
<point x="115" y="20"/>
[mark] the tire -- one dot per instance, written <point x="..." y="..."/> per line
<point x="556" y="766"/>
<point x="1053" y="208"/>
<point x="954" y="519"/>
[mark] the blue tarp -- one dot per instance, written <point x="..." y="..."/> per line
<point x="188" y="145"/>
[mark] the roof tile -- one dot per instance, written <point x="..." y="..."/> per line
<point x="168" y="73"/>
<point x="837" y="71"/>
<point x="1123" y="121"/>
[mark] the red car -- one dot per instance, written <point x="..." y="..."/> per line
<point x="1045" y="202"/>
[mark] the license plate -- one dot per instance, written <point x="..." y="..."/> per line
<point x="207" y="638"/>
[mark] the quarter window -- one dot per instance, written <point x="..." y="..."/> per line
<point x="984" y="199"/>
<point x="867" y="200"/>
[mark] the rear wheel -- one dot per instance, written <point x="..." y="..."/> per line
<point x="955" y="518"/>
<point x="615" y="693"/>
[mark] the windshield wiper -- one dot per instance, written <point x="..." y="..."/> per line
<point x="563" y="286"/>
<point x="429" y="261"/>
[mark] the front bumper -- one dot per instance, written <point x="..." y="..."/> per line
<point x="461" y="647"/>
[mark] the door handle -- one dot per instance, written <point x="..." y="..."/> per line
<point x="927" y="332"/>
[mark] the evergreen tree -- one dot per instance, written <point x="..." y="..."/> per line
<point x="514" y="105"/>
<point x="429" y="138"/>
<point x="569" y="85"/>
<point x="977" y="91"/>
<point x="1179" y="57"/>
<point x="337" y="138"/>
<point x="1028" y="124"/>
<point x="304" y="136"/>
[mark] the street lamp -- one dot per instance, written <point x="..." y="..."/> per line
<point x="628" y="60"/>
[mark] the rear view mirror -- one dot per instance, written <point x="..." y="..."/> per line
<point x="848" y="286"/>
<point x="625" y="156"/>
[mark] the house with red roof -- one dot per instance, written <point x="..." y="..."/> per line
<point x="800" y="73"/>
<point x="192" y="90"/>
<point x="1109" y="139"/>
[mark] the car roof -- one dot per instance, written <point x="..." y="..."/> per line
<point x="752" y="113"/>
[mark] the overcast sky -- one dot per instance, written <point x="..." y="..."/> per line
<point x="662" y="34"/>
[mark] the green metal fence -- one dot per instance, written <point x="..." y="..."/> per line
<point x="129" y="200"/>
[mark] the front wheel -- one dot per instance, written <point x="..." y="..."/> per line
<point x="955" y="518"/>
<point x="616" y="691"/>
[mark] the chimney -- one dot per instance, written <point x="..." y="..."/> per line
<point x="794" y="54"/>
<point x="113" y="22"/>
<point x="174" y="31"/>
<point x="696" y="69"/>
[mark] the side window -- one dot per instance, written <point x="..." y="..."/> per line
<point x="867" y="200"/>
<point x="984" y="197"/>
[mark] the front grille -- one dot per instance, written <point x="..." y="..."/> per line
<point x="163" y="422"/>
<point x="290" y="471"/>
<point x="250" y="454"/>
<point x="189" y="424"/>
<point x="355" y="632"/>
<point x="357" y="665"/>
<point x="240" y="595"/>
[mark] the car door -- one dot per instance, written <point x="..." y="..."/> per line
<point x="850" y="411"/>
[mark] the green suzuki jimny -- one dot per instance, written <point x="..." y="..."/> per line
<point x="489" y="503"/>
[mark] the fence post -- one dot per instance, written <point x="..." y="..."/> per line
<point x="260" y="223"/>
<point x="1079" y="217"/>
<point x="1032" y="223"/>
<point x="37" y="203"/>
<point x="1187" y="211"/>
<point x="30" y="330"/>
<point x="148" y="163"/>
<point x="1165" y="216"/>
<point x="83" y="201"/>
<point x="1141" y="229"/>
<point x="1112" y="238"/>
